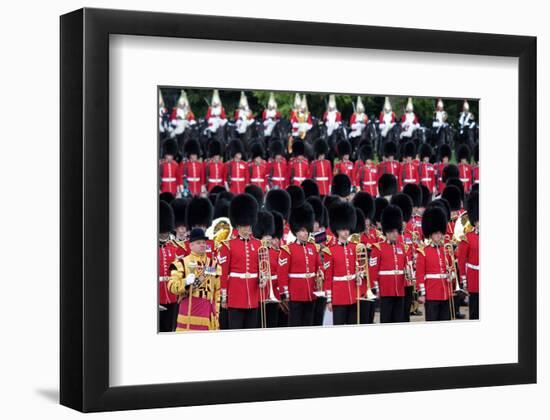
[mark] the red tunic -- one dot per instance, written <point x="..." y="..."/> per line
<point x="475" y="174"/>
<point x="439" y="176"/>
<point x="321" y="173"/>
<point x="340" y="274"/>
<point x="214" y="174"/>
<point x="299" y="170"/>
<point x="468" y="261"/>
<point x="239" y="261"/>
<point x="387" y="268"/>
<point x="167" y="255"/>
<point x="259" y="174"/>
<point x="366" y="179"/>
<point x="344" y="167"/>
<point x="193" y="173"/>
<point x="432" y="278"/>
<point x="170" y="177"/>
<point x="465" y="175"/>
<point x="409" y="174"/>
<point x="298" y="267"/>
<point x="390" y="167"/>
<point x="236" y="174"/>
<point x="278" y="174"/>
<point x="426" y="172"/>
<point x="273" y="265"/>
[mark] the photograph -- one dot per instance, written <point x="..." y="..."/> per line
<point x="315" y="209"/>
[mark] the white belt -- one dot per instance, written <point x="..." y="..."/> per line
<point x="244" y="275"/>
<point x="257" y="180"/>
<point x="322" y="178"/>
<point x="299" y="178"/>
<point x="426" y="179"/>
<point x="390" y="272"/>
<point x="193" y="179"/>
<point x="164" y="278"/>
<point x="215" y="180"/>
<point x="237" y="179"/>
<point x="274" y="277"/>
<point x="301" y="275"/>
<point x="168" y="179"/>
<point x="464" y="179"/>
<point x="278" y="178"/>
<point x="369" y="182"/>
<point x="344" y="278"/>
<point x="473" y="267"/>
<point x="436" y="276"/>
<point x="409" y="180"/>
<point x="476" y="181"/>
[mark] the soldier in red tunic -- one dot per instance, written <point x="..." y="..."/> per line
<point x="389" y="165"/>
<point x="258" y="172"/>
<point x="192" y="169"/>
<point x="299" y="268"/>
<point x="475" y="166"/>
<point x="213" y="167"/>
<point x="278" y="166"/>
<point x="276" y="243"/>
<point x="444" y="154"/>
<point x="387" y="265"/>
<point x="464" y="168"/>
<point x="321" y="170"/>
<point x="170" y="174"/>
<point x="366" y="172"/>
<point x="344" y="166"/>
<point x="240" y="280"/>
<point x="199" y="213"/>
<point x="432" y="274"/>
<point x="415" y="224"/>
<point x="299" y="165"/>
<point x="409" y="171"/>
<point x="236" y="170"/>
<point x="168" y="302"/>
<point x="426" y="170"/>
<point x="179" y="206"/>
<point x="468" y="256"/>
<point x="340" y="266"/>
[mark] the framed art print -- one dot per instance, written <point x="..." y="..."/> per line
<point x="255" y="209"/>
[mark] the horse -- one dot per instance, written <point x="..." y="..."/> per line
<point x="468" y="136"/>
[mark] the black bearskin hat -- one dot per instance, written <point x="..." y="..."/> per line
<point x="192" y="147"/>
<point x="318" y="208"/>
<point x="390" y="149"/>
<point x="409" y="149"/>
<point x="243" y="210"/>
<point x="302" y="217"/>
<point x="404" y="202"/>
<point x="475" y="187"/>
<point x="226" y="195"/>
<point x="364" y="201"/>
<point x="328" y="200"/>
<point x="298" y="148"/>
<point x="278" y="200"/>
<point x="166" y="218"/>
<point x="444" y="151"/>
<point x="279" y="224"/>
<point x="341" y="185"/>
<point x="276" y="147"/>
<point x="264" y="226"/>
<point x="392" y="218"/>
<point x="255" y="192"/>
<point x="166" y="196"/>
<point x="344" y="148"/>
<point x="365" y="152"/>
<point x="443" y="205"/>
<point x="472" y="207"/>
<point x="341" y="215"/>
<point x="453" y="195"/>
<point x="380" y="203"/>
<point x="310" y="187"/>
<point x="476" y="153"/>
<point x="257" y="150"/>
<point x="169" y="147"/>
<point x="463" y="152"/>
<point x="434" y="220"/>
<point x="235" y="146"/>
<point x="449" y="171"/>
<point x="426" y="196"/>
<point x="199" y="212"/>
<point x="214" y="148"/>
<point x="216" y="189"/>
<point x="425" y="151"/>
<point x="457" y="183"/>
<point x="221" y="208"/>
<point x="297" y="196"/>
<point x="361" y="224"/>
<point x="179" y="205"/>
<point x="387" y="185"/>
<point x="415" y="192"/>
<point x="321" y="147"/>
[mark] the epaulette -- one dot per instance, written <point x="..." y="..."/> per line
<point x="326" y="250"/>
<point x="226" y="244"/>
<point x="180" y="244"/>
<point x="421" y="250"/>
<point x="377" y="245"/>
<point x="463" y="238"/>
<point x="317" y="246"/>
<point x="285" y="248"/>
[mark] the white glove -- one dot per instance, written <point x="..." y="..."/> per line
<point x="190" y="279"/>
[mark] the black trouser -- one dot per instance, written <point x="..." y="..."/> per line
<point x="366" y="311"/>
<point x="283" y="318"/>
<point x="391" y="308"/>
<point x="169" y="317"/>
<point x="271" y="315"/>
<point x="437" y="310"/>
<point x="300" y="314"/>
<point x="344" y="314"/>
<point x="457" y="300"/>
<point x="473" y="305"/>
<point x="223" y="319"/>
<point x="407" y="302"/>
<point x="319" y="310"/>
<point x="240" y="318"/>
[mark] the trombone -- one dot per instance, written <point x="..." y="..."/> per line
<point x="265" y="280"/>
<point x="362" y="270"/>
<point x="453" y="274"/>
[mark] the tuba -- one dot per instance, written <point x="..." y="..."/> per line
<point x="220" y="230"/>
<point x="462" y="227"/>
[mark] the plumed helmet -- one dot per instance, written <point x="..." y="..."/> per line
<point x="243" y="210"/>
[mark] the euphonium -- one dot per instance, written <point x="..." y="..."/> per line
<point x="219" y="231"/>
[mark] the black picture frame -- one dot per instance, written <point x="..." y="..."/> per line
<point x="84" y="235"/>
